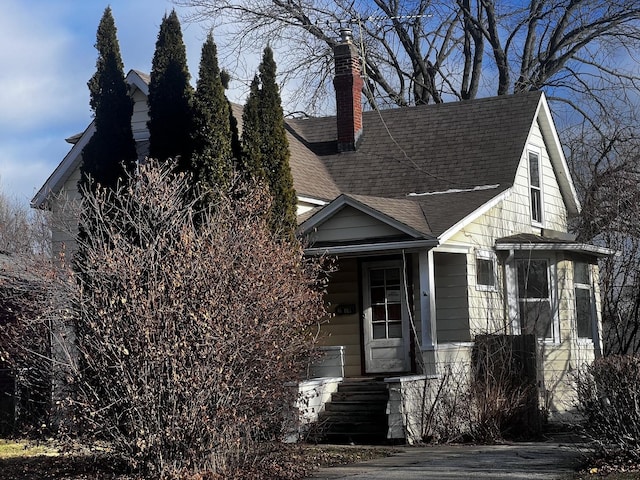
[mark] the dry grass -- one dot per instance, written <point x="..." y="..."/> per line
<point x="23" y="460"/>
<point x="26" y="449"/>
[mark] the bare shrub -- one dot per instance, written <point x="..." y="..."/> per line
<point x="609" y="400"/>
<point x="187" y="331"/>
<point x="503" y="389"/>
<point x="25" y="366"/>
<point x="492" y="399"/>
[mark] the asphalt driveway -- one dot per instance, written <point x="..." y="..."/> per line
<point x="531" y="461"/>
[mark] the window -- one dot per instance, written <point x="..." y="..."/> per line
<point x="582" y="289"/>
<point x="386" y="303"/>
<point x="534" y="298"/>
<point x="535" y="187"/>
<point x="485" y="270"/>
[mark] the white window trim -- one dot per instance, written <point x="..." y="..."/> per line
<point x="589" y="287"/>
<point x="513" y="301"/>
<point x="486" y="255"/>
<point x="537" y="151"/>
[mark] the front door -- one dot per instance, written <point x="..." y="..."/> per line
<point x="386" y="325"/>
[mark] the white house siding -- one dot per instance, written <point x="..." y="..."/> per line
<point x="352" y="224"/>
<point x="452" y="317"/>
<point x="562" y="360"/>
<point x="555" y="212"/>
<point x="64" y="213"/>
<point x="559" y="359"/>
<point x="344" y="330"/>
<point x="140" y="116"/>
<point x="511" y="215"/>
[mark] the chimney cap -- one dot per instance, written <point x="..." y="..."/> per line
<point x="346" y="36"/>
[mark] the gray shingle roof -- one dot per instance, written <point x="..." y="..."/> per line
<point x="452" y="147"/>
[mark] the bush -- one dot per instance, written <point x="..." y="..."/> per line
<point x="609" y="400"/>
<point x="494" y="399"/>
<point x="188" y="330"/>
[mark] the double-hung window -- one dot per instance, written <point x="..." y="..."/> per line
<point x="583" y="295"/>
<point x="534" y="298"/>
<point x="535" y="187"/>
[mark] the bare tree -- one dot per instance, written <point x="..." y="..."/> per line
<point x="607" y="173"/>
<point x="435" y="50"/>
<point x="22" y="231"/>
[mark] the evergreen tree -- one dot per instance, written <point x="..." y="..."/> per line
<point x="251" y="164"/>
<point x="275" y="151"/>
<point x="111" y="151"/>
<point x="236" y="145"/>
<point x="212" y="150"/>
<point x="170" y="97"/>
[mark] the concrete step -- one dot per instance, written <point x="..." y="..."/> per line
<point x="362" y="386"/>
<point x="353" y="407"/>
<point x="360" y="396"/>
<point x="355" y="414"/>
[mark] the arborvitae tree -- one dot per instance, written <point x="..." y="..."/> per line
<point x="275" y="151"/>
<point x="212" y="151"/>
<point x="251" y="164"/>
<point x="236" y="145"/>
<point x="170" y="97"/>
<point x="111" y="151"/>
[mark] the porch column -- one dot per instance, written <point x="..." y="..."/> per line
<point x="511" y="292"/>
<point x="428" y="310"/>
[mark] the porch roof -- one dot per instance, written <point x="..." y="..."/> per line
<point x="530" y="241"/>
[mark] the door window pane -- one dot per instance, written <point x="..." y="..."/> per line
<point x="395" y="330"/>
<point x="392" y="276"/>
<point x="379" y="313"/>
<point x="379" y="331"/>
<point x="395" y="312"/>
<point x="377" y="294"/>
<point x="376" y="277"/>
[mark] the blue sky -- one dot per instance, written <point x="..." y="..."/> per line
<point x="47" y="55"/>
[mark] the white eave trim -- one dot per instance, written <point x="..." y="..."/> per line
<point x="556" y="154"/>
<point x="60" y="175"/>
<point x="312" y="201"/>
<point x="569" y="246"/>
<point x="371" y="247"/>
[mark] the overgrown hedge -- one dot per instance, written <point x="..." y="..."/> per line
<point x="609" y="400"/>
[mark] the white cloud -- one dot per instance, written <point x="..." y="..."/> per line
<point x="35" y="52"/>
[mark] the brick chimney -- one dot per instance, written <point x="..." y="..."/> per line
<point x="348" y="84"/>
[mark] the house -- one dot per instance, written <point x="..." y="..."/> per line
<point x="448" y="222"/>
